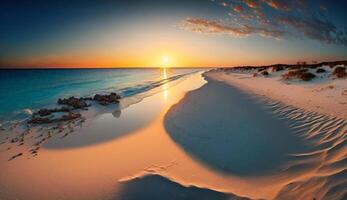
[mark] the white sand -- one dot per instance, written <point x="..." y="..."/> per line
<point x="323" y="95"/>
<point x="315" y="112"/>
<point x="216" y="142"/>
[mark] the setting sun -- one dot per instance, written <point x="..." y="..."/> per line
<point x="168" y="99"/>
<point x="165" y="60"/>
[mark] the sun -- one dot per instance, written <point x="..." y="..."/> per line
<point x="165" y="60"/>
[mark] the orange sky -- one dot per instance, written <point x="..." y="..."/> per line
<point x="142" y="37"/>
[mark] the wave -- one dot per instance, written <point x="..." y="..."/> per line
<point x="146" y="86"/>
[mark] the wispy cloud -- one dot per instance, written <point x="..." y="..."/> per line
<point x="276" y="4"/>
<point x="271" y="18"/>
<point x="207" y="26"/>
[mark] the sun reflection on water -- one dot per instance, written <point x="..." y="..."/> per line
<point x="165" y="86"/>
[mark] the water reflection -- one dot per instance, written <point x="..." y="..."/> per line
<point x="165" y="86"/>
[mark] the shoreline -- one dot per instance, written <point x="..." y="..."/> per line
<point x="201" y="161"/>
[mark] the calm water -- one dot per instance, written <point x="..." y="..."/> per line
<point x="25" y="90"/>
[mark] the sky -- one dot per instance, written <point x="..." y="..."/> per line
<point x="189" y="33"/>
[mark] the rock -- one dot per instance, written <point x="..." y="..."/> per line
<point x="44" y="112"/>
<point x="63" y="109"/>
<point x="14" y="140"/>
<point x="104" y="103"/>
<point x="15" y="156"/>
<point x="76" y="103"/>
<point x="86" y="98"/>
<point x="39" y="120"/>
<point x="70" y="116"/>
<point x="107" y="98"/>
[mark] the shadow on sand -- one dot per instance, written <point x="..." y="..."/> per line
<point x="109" y="124"/>
<point x="156" y="187"/>
<point x="230" y="131"/>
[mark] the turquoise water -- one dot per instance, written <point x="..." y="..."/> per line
<point x="25" y="90"/>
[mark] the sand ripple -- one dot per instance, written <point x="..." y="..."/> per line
<point x="328" y="154"/>
<point x="228" y="130"/>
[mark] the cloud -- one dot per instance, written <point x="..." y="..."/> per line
<point x="316" y="29"/>
<point x="277" y="4"/>
<point x="206" y="26"/>
<point x="271" y="18"/>
<point x="251" y="3"/>
<point x="238" y="8"/>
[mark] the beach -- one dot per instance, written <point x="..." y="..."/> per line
<point x="211" y="135"/>
<point x="173" y="100"/>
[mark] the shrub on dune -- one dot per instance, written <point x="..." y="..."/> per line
<point x="307" y="76"/>
<point x="298" y="74"/>
<point x="340" y="72"/>
<point x="261" y="69"/>
<point x="277" y="68"/>
<point x="320" y="70"/>
<point x="265" y="73"/>
<point x="331" y="66"/>
<point x="302" y="70"/>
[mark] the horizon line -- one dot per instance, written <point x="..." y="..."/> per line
<point x="145" y="67"/>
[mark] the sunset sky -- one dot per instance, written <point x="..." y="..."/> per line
<point x="191" y="33"/>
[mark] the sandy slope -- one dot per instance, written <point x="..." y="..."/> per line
<point x="323" y="95"/>
<point x="295" y="153"/>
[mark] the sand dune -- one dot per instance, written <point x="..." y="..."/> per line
<point x="231" y="132"/>
<point x="252" y="136"/>
<point x="156" y="187"/>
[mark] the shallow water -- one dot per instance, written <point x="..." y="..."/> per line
<point x="21" y="91"/>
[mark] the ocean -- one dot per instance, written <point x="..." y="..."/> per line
<point x="24" y="90"/>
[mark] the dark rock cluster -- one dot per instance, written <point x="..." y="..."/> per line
<point x="45" y="112"/>
<point x="76" y="103"/>
<point x="71" y="104"/>
<point x="45" y="120"/>
<point x="107" y="98"/>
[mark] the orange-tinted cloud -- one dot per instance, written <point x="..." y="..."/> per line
<point x="284" y="18"/>
<point x="276" y="4"/>
<point x="252" y="3"/>
<point x="238" y="8"/>
<point x="206" y="26"/>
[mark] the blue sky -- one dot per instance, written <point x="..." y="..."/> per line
<point x="192" y="33"/>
